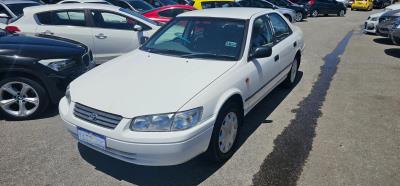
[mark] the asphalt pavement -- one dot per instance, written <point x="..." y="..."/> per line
<point x="340" y="125"/>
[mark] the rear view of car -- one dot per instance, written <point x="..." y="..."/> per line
<point x="362" y="5"/>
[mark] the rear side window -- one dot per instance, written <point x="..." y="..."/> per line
<point x="70" y="17"/>
<point x="115" y="21"/>
<point x="281" y="28"/>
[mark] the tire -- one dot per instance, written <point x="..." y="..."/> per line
<point x="23" y="93"/>
<point x="299" y="16"/>
<point x="395" y="41"/>
<point x="215" y="150"/>
<point x="288" y="17"/>
<point x="314" y="13"/>
<point x="340" y="13"/>
<point x="290" y="80"/>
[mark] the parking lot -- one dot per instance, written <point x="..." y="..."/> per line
<point x="338" y="126"/>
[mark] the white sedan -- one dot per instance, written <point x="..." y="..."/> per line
<point x="108" y="30"/>
<point x="187" y="89"/>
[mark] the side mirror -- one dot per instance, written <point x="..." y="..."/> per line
<point x="137" y="28"/>
<point x="261" y="52"/>
<point x="143" y="40"/>
<point x="3" y="15"/>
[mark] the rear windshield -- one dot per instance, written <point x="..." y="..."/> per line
<point x="18" y="8"/>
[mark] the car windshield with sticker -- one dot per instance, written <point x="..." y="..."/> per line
<point x="191" y="37"/>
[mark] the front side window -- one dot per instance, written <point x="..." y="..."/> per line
<point x="281" y="28"/>
<point x="68" y="17"/>
<point x="262" y="34"/>
<point x="114" y="21"/>
<point x="191" y="37"/>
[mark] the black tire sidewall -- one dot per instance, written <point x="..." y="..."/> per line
<point x="43" y="98"/>
<point x="213" y="152"/>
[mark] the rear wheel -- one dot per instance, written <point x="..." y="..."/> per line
<point x="341" y="13"/>
<point x="292" y="75"/>
<point x="299" y="16"/>
<point x="22" y="98"/>
<point x="225" y="133"/>
<point x="314" y="13"/>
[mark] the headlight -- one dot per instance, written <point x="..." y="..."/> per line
<point x="68" y="95"/>
<point x="58" y="64"/>
<point x="167" y="122"/>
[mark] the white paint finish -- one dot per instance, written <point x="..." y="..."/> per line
<point x="131" y="86"/>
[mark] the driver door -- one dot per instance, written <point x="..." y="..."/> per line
<point x="263" y="70"/>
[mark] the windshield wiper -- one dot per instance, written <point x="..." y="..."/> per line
<point x="208" y="55"/>
<point x="166" y="51"/>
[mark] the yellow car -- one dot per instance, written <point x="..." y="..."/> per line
<point x="204" y="4"/>
<point x="362" y="5"/>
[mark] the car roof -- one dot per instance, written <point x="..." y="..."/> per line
<point x="8" y="2"/>
<point x="230" y="12"/>
<point x="71" y="6"/>
<point x="214" y="0"/>
<point x="87" y="1"/>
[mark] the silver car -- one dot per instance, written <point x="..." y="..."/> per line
<point x="288" y="13"/>
<point x="10" y="9"/>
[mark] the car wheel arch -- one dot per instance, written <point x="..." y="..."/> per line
<point x="25" y="74"/>
<point x="231" y="96"/>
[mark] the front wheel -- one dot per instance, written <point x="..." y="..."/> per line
<point x="21" y="98"/>
<point x="395" y="40"/>
<point x="225" y="133"/>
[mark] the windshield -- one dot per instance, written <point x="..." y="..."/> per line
<point x="128" y="11"/>
<point x="141" y="6"/>
<point x="17" y="9"/>
<point x="191" y="37"/>
<point x="168" y="2"/>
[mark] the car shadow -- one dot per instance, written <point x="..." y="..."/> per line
<point x="196" y="170"/>
<point x="394" y="52"/>
<point x="383" y="41"/>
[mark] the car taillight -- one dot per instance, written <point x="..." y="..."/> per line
<point x="12" y="29"/>
<point x="311" y="2"/>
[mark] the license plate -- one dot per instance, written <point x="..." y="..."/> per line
<point x="91" y="138"/>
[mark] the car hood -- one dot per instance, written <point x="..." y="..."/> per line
<point x="141" y="83"/>
<point x="377" y="14"/>
<point x="33" y="47"/>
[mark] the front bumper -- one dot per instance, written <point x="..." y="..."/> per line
<point x="162" y="148"/>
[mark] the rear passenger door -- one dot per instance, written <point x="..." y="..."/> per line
<point x="70" y="24"/>
<point x="284" y="42"/>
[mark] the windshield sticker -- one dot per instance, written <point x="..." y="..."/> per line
<point x="230" y="44"/>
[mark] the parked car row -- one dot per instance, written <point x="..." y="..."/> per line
<point x="385" y="23"/>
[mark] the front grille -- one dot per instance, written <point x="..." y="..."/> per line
<point x="96" y="117"/>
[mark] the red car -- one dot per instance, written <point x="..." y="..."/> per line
<point x="166" y="13"/>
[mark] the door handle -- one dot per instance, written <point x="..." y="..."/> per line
<point x="101" y="36"/>
<point x="276" y="58"/>
<point x="295" y="44"/>
<point x="47" y="32"/>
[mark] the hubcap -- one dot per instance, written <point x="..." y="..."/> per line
<point x="299" y="16"/>
<point x="228" y="132"/>
<point x="315" y="13"/>
<point x="293" y="71"/>
<point x="18" y="99"/>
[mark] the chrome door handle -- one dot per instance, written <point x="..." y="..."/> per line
<point x="101" y="36"/>
<point x="48" y="32"/>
